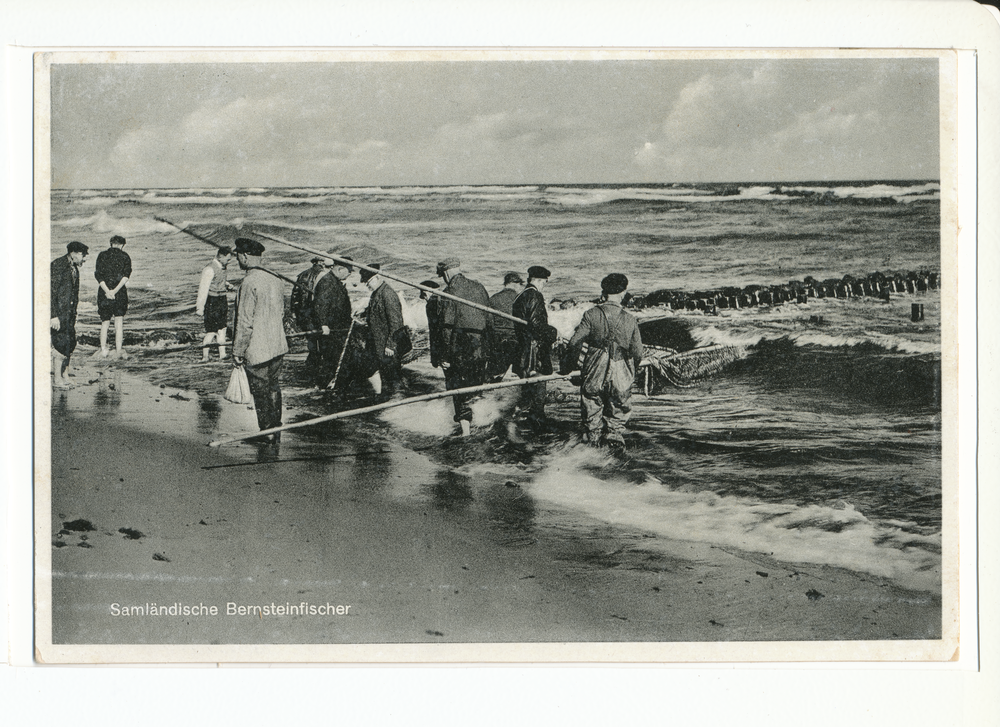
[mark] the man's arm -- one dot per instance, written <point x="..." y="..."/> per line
<point x="101" y="273"/>
<point x="635" y="347"/>
<point x="394" y="316"/>
<point x="572" y="355"/>
<point x="58" y="295"/>
<point x="538" y="316"/>
<point x="203" y="287"/>
<point x="245" y="308"/>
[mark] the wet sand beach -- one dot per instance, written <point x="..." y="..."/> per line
<point x="144" y="516"/>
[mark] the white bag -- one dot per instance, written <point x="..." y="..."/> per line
<point x="238" y="391"/>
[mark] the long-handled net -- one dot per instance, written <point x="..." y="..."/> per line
<point x="664" y="367"/>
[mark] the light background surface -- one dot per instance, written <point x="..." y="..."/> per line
<point x="820" y="694"/>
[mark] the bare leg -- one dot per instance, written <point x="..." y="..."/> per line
<point x="119" y="332"/>
<point x="204" y="342"/>
<point x="466" y="427"/>
<point x="376" y="381"/>
<point x="60" y="365"/>
<point x="220" y="337"/>
<point x="104" y="337"/>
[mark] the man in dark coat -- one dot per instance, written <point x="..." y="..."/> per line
<point x="64" y="296"/>
<point x="435" y="333"/>
<point x="611" y="344"/>
<point x="534" y="343"/>
<point x="301" y="304"/>
<point x="112" y="271"/>
<point x="500" y="331"/>
<point x="385" y="321"/>
<point x="464" y="333"/>
<point x="331" y="315"/>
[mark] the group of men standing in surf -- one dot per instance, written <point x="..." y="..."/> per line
<point x="474" y="338"/>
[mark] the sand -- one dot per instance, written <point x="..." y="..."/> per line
<point x="404" y="550"/>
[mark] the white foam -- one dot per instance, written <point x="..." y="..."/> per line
<point x="432" y="418"/>
<point x="104" y="223"/>
<point x="437" y="417"/>
<point x="813" y="534"/>
<point x="873" y="191"/>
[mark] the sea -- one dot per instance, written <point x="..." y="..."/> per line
<point x="821" y="445"/>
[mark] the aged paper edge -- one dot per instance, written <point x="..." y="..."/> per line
<point x="954" y="182"/>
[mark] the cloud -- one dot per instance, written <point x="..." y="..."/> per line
<point x="786" y="121"/>
<point x="271" y="125"/>
<point x="271" y="141"/>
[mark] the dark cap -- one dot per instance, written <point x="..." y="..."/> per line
<point x="426" y="294"/>
<point x="512" y="277"/>
<point x="344" y="264"/>
<point x="249" y="247"/>
<point x="614" y="283"/>
<point x="117" y="240"/>
<point x="367" y="275"/>
<point x="538" y="272"/>
<point x="77" y="247"/>
<point x="317" y="259"/>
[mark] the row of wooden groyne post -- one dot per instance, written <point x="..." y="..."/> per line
<point x="878" y="285"/>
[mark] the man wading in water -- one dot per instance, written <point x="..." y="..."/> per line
<point x="612" y="347"/>
<point x="464" y="329"/>
<point x="534" y="345"/>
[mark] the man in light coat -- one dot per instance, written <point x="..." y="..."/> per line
<point x="259" y="340"/>
<point x="611" y="346"/>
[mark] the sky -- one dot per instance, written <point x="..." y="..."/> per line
<point x="312" y="124"/>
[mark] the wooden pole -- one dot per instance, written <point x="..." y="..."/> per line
<point x="389" y="405"/>
<point x="217" y="245"/>
<point x="229" y="343"/>
<point x="434" y="291"/>
<point x="340" y="361"/>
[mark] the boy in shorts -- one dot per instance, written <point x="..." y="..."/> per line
<point x="112" y="270"/>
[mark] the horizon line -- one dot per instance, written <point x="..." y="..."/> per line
<point x="523" y="184"/>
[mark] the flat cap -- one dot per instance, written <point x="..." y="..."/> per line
<point x="367" y="275"/>
<point x="249" y="247"/>
<point x="614" y="283"/>
<point x="117" y="240"/>
<point x="538" y="272"/>
<point x="512" y="277"/>
<point x="77" y="247"/>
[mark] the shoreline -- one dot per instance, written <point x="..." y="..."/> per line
<point x="420" y="553"/>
